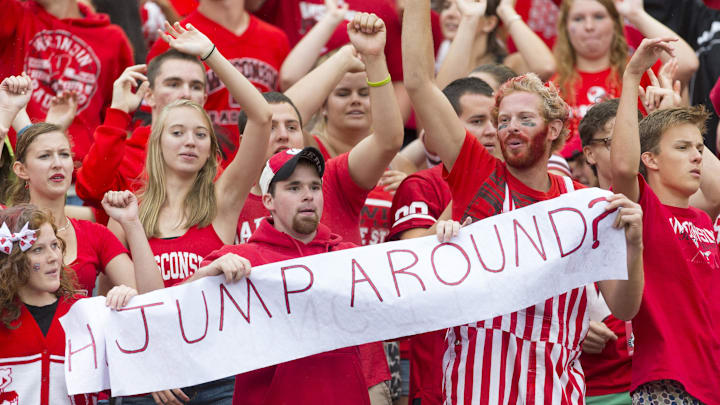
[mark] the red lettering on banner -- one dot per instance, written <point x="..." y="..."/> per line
<point x="557" y="235"/>
<point x="597" y="220"/>
<point x="467" y="259"/>
<point x="182" y="329"/>
<point x="288" y="292"/>
<point x="404" y="269"/>
<point x="144" y="319"/>
<point x="517" y="225"/>
<point x="91" y="344"/>
<point x="355" y="281"/>
<point x="224" y="290"/>
<point x="502" y="253"/>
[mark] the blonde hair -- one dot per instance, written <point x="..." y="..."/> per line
<point x="566" y="59"/>
<point x="553" y="107"/>
<point x="200" y="204"/>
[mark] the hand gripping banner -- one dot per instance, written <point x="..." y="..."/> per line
<point x="206" y="330"/>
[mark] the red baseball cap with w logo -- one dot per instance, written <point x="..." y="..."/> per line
<point x="282" y="165"/>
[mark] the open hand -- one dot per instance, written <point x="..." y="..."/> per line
<point x="187" y="40"/>
<point x="648" y="53"/>
<point x="367" y="34"/>
<point x="629" y="8"/>
<point x="62" y="110"/>
<point x="127" y="94"/>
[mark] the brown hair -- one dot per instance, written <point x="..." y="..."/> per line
<point x="565" y="57"/>
<point x="553" y="107"/>
<point x="19" y="192"/>
<point x="658" y="122"/>
<point x="15" y="267"/>
<point x="200" y="206"/>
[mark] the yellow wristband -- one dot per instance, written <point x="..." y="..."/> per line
<point x="380" y="83"/>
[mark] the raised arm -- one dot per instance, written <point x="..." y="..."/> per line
<point x="15" y="92"/>
<point x="459" y="60"/>
<point x="311" y="91"/>
<point x="533" y="54"/>
<point x="369" y="158"/>
<point x="444" y="133"/>
<point x="306" y="52"/>
<point x="623" y="296"/>
<point x="122" y="207"/>
<point x="99" y="172"/>
<point x="234" y="184"/>
<point x="625" y="147"/>
<point x="634" y="12"/>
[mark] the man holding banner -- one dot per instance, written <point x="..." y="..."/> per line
<point x="291" y="184"/>
<point x="528" y="356"/>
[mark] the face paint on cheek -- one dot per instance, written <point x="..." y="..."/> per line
<point x="529" y="124"/>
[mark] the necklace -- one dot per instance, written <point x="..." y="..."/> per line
<point x="64" y="227"/>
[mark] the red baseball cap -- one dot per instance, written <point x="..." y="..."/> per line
<point x="282" y="165"/>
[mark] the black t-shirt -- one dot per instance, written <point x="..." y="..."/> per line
<point x="43" y="315"/>
<point x="697" y="25"/>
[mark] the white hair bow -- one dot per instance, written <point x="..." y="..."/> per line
<point x="25" y="238"/>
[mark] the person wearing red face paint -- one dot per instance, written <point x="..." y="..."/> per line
<point x="677" y="340"/>
<point x="36" y="289"/>
<point x="529" y="355"/>
<point x="292" y="187"/>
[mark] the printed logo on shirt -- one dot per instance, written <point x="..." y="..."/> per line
<point x="57" y="60"/>
<point x="7" y="397"/>
<point x="375" y="221"/>
<point x="311" y="13"/>
<point x="261" y="74"/>
<point x="596" y="94"/>
<point x="246" y="228"/>
<point x="178" y="265"/>
<point x="703" y="239"/>
<point x="543" y="18"/>
<point x="717" y="228"/>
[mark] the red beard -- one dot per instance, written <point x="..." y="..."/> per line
<point x="530" y="155"/>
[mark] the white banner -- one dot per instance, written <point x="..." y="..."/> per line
<point x="206" y="330"/>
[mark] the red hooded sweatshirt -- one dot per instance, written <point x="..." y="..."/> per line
<point x="333" y="377"/>
<point x="113" y="162"/>
<point x="85" y="55"/>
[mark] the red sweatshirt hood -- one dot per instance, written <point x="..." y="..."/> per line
<point x="283" y="244"/>
<point x="90" y="18"/>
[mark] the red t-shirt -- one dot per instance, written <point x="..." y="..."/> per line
<point x="82" y="54"/>
<point x="419" y="201"/>
<point x="609" y="371"/>
<point x="96" y="246"/>
<point x="677" y="330"/>
<point x="297" y="17"/>
<point x="593" y="88"/>
<point x="179" y="258"/>
<point x="258" y="53"/>
<point x="343" y="201"/>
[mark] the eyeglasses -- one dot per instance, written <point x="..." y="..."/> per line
<point x="605" y="141"/>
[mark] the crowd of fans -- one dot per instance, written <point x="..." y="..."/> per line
<point x="148" y="143"/>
